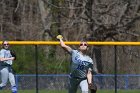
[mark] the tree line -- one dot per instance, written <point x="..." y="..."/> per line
<point x="92" y="20"/>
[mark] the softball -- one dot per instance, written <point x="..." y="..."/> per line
<point x="59" y="37"/>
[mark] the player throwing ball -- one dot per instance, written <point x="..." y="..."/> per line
<point x="81" y="67"/>
<point x="6" y="60"/>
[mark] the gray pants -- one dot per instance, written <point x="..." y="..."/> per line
<point x="5" y="75"/>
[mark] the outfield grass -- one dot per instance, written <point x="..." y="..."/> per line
<point x="64" y="91"/>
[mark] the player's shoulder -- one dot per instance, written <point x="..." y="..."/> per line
<point x="75" y="51"/>
<point x="2" y="50"/>
<point x="90" y="59"/>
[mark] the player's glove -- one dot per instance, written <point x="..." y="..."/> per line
<point x="13" y="54"/>
<point x="92" y="88"/>
<point x="59" y="37"/>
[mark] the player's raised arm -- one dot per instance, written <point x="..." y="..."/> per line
<point x="60" y="38"/>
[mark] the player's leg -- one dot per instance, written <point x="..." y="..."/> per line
<point x="84" y="86"/>
<point x="73" y="85"/>
<point x="12" y="81"/>
<point x="4" y="77"/>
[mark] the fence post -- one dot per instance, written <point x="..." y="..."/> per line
<point x="36" y="60"/>
<point x="126" y="82"/>
<point x="115" y="68"/>
<point x="16" y="80"/>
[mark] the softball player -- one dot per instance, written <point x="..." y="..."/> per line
<point x="6" y="60"/>
<point x="81" y="67"/>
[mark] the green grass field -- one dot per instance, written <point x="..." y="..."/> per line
<point x="64" y="91"/>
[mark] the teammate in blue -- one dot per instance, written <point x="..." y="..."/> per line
<point x="81" y="67"/>
<point x="6" y="60"/>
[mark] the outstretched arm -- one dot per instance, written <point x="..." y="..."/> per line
<point x="89" y="77"/>
<point x="5" y="59"/>
<point x="91" y="85"/>
<point x="2" y="58"/>
<point x="60" y="38"/>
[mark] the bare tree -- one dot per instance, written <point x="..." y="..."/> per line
<point x="94" y="20"/>
<point x="97" y="20"/>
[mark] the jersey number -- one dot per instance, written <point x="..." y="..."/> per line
<point x="80" y="67"/>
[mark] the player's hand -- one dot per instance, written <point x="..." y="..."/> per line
<point x="92" y="86"/>
<point x="13" y="55"/>
<point x="59" y="37"/>
<point x="12" y="58"/>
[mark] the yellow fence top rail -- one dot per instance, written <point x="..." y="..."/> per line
<point x="69" y="43"/>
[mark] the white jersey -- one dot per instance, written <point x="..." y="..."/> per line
<point x="80" y="64"/>
<point x="6" y="54"/>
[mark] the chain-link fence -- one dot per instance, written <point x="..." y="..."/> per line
<point x="42" y="67"/>
<point x="60" y="81"/>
